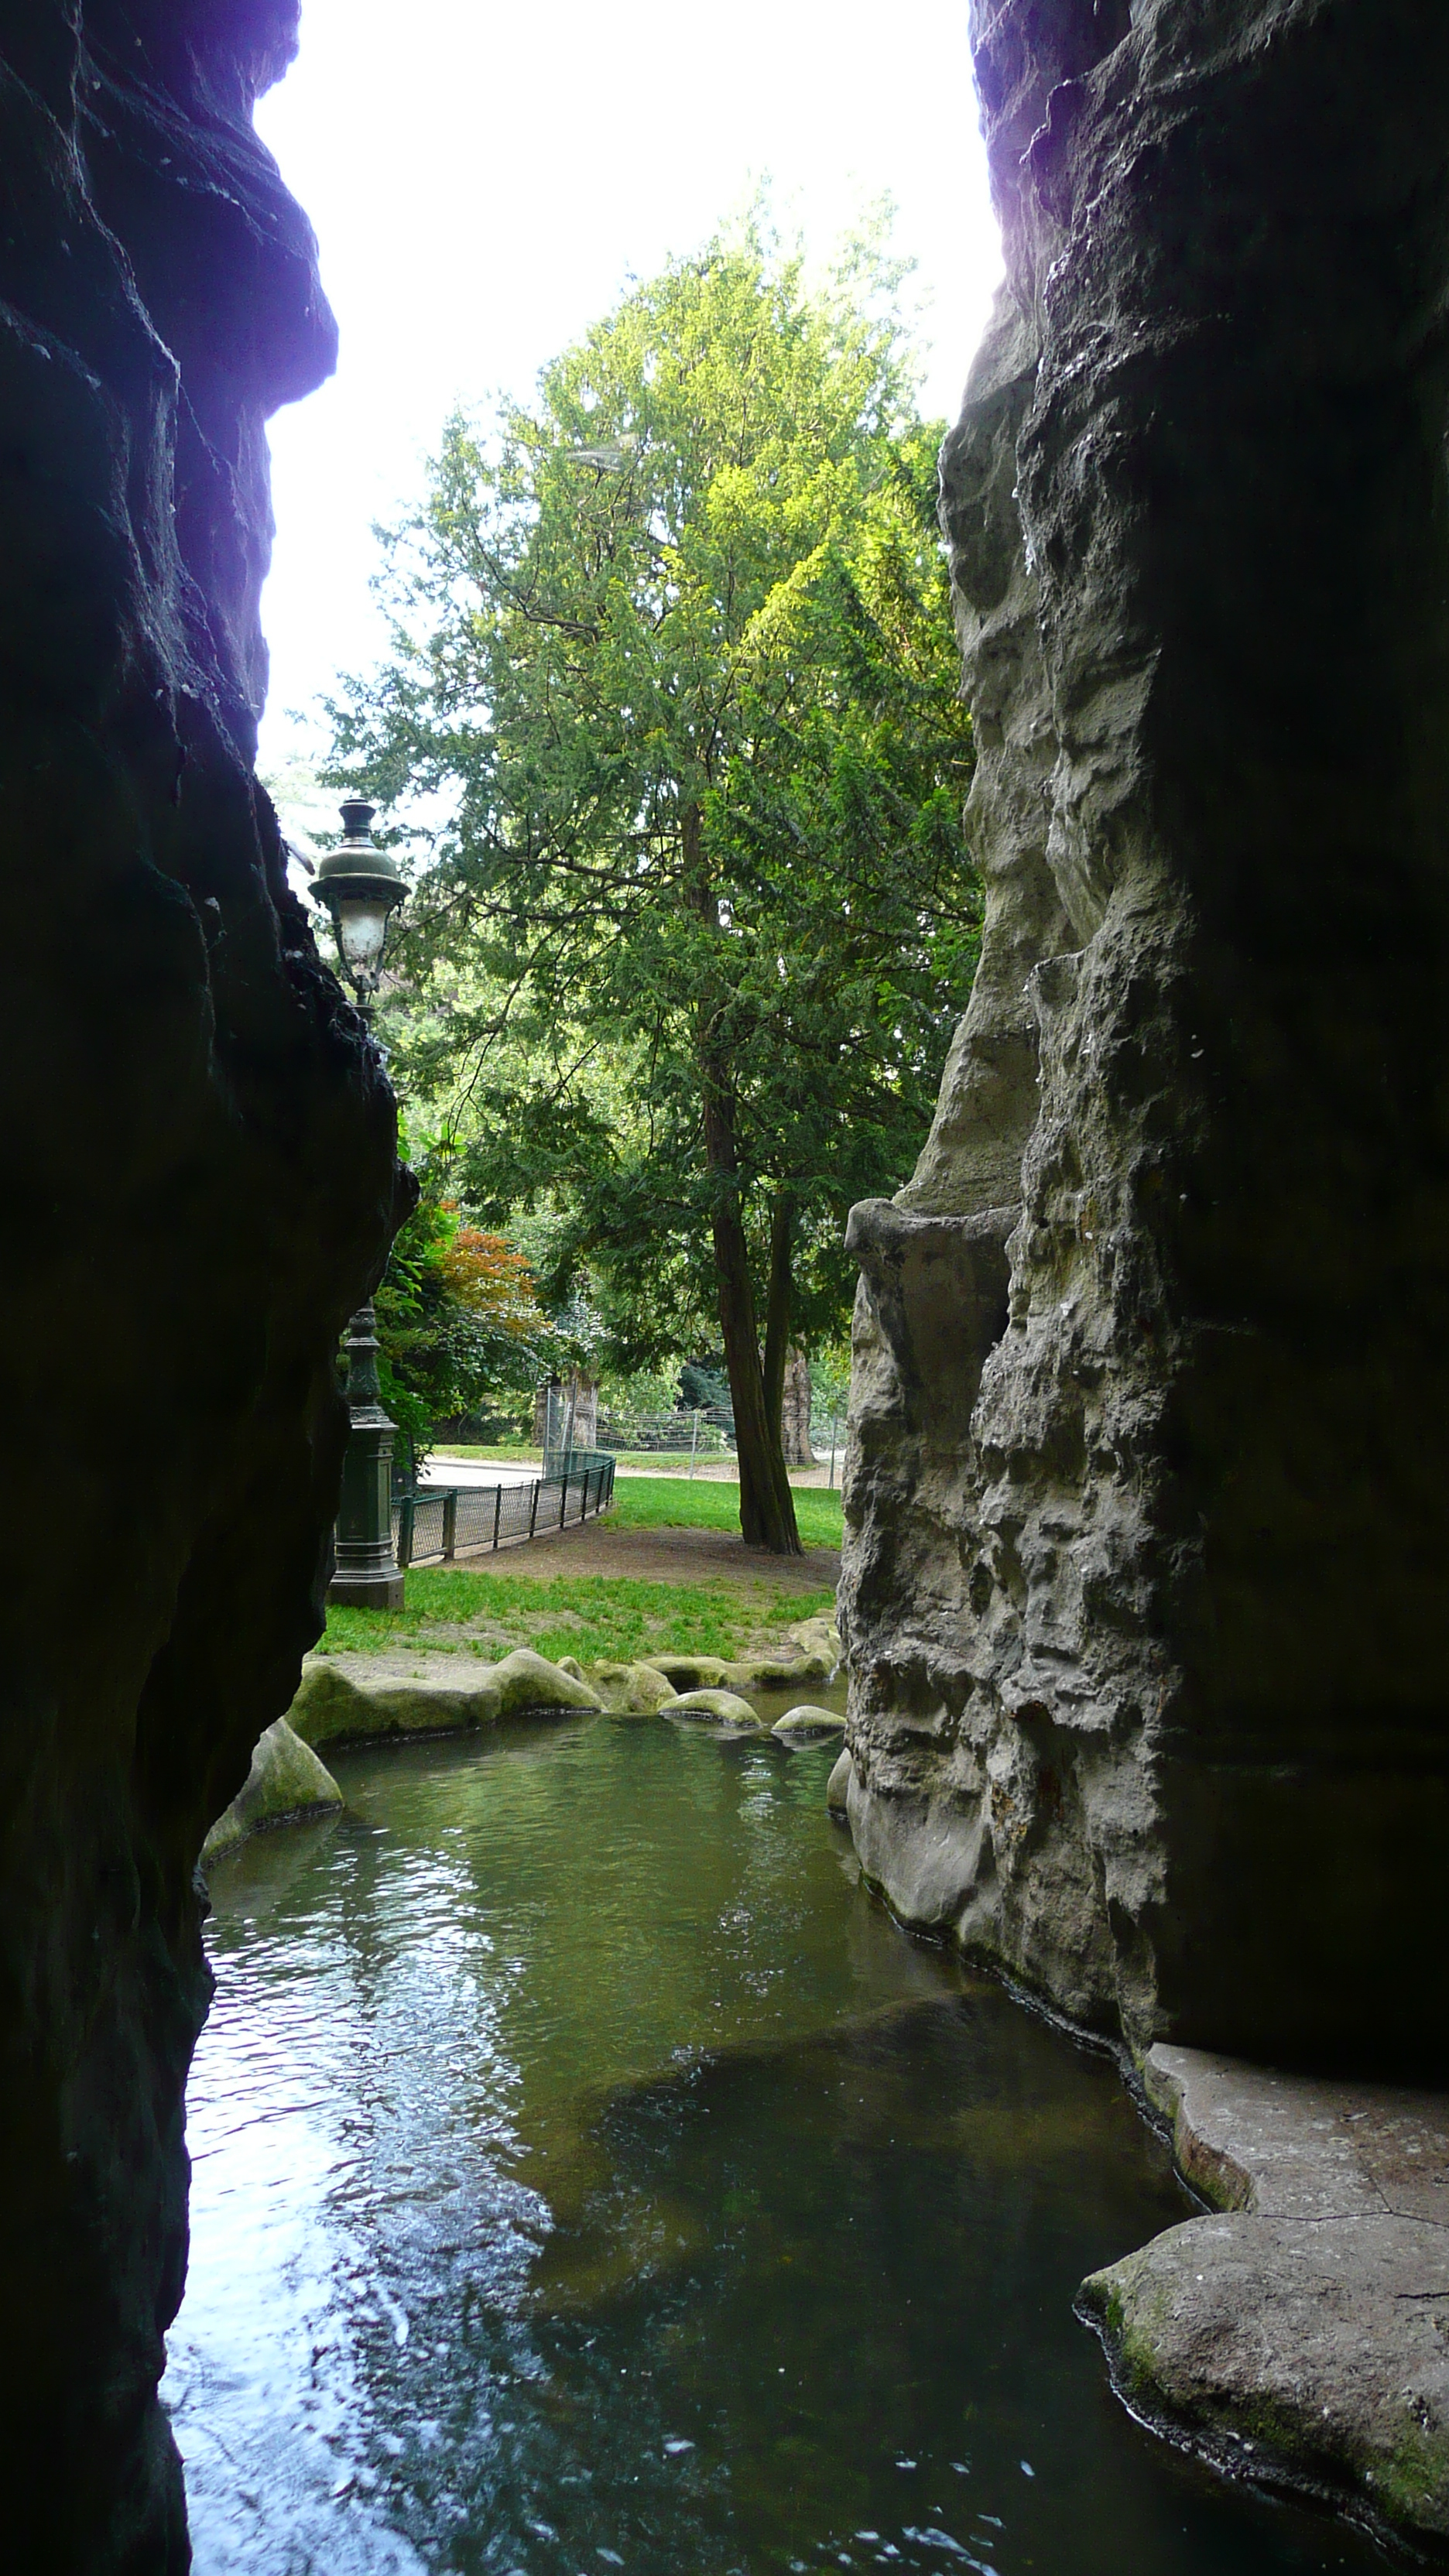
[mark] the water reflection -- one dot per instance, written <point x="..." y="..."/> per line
<point x="588" y="2175"/>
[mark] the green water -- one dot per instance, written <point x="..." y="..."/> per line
<point x="589" y="2175"/>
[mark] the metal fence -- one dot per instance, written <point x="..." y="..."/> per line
<point x="683" y="1435"/>
<point x="440" y="1522"/>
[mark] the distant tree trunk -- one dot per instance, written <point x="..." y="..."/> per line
<point x="787" y="1370"/>
<point x="795" y="1411"/>
<point x="540" y="1412"/>
<point x="767" y="1506"/>
<point x="586" y="1411"/>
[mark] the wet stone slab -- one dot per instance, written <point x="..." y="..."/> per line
<point x="1303" y="2331"/>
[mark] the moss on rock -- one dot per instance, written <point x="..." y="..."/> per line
<point x="634" y="1690"/>
<point x="807" y="1724"/>
<point x="285" y="1784"/>
<point x="712" y="1708"/>
<point x="352" y="1704"/>
<point x="689" y="1672"/>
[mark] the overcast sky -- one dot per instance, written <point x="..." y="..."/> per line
<point x="484" y="179"/>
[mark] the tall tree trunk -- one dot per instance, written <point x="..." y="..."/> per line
<point x="767" y="1505"/>
<point x="795" y="1411"/>
<point x="777" y="1307"/>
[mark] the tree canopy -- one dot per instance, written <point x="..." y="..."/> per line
<point x="670" y="711"/>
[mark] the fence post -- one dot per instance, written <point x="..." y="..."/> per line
<point x="450" y="1526"/>
<point x="497" y="1514"/>
<point x="405" y="1530"/>
<point x="533" y="1508"/>
<point x="694" y="1440"/>
<point x="563" y="1499"/>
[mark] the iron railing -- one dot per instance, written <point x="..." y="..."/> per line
<point x="440" y="1522"/>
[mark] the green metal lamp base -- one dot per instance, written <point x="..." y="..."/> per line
<point x="368" y="1591"/>
<point x="367" y="1575"/>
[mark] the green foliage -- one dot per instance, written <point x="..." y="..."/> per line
<point x="672" y="655"/>
<point x="457" y="1321"/>
<point x="639" y="1392"/>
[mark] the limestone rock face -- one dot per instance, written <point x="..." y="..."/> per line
<point x="199" y="1181"/>
<point x="1146" y="1510"/>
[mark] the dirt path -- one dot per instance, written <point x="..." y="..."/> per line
<point x="660" y="1556"/>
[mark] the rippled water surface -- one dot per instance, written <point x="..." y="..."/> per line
<point x="588" y="2175"/>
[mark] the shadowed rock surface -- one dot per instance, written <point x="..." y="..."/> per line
<point x="1147" y="1512"/>
<point x="1305" y="2332"/>
<point x="199" y="1180"/>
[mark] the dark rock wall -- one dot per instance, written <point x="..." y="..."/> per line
<point x="1147" y="1511"/>
<point x="197" y="1172"/>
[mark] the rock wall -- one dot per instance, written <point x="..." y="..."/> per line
<point x="199" y="1180"/>
<point x="1147" y="1512"/>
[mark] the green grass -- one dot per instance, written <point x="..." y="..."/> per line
<point x="670" y="1502"/>
<point x="599" y="1618"/>
<point x="661" y="1458"/>
<point x="514" y="1453"/>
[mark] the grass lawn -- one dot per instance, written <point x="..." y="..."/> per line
<point x="509" y="1453"/>
<point x="672" y="1502"/>
<point x="599" y="1618"/>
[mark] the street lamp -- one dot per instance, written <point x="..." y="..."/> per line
<point x="361" y="888"/>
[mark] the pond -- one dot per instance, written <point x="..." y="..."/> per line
<point x="588" y="2174"/>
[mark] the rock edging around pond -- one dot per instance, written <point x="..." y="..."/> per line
<point x="338" y="1703"/>
<point x="1302" y="2331"/>
<point x="361" y="1699"/>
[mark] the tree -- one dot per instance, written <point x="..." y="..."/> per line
<point x="672" y="651"/>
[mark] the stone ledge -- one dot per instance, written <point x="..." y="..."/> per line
<point x="1302" y="2332"/>
<point x="353" y="1699"/>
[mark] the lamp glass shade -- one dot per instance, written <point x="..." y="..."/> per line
<point x="361" y="931"/>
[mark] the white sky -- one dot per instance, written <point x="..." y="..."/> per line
<point x="483" y="180"/>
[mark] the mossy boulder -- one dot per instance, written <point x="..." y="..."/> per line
<point x="367" y="1698"/>
<point x="345" y="1705"/>
<point x="634" y="1690"/>
<point x="689" y="1672"/>
<point x="527" y="1682"/>
<point x="776" y="1672"/>
<point x="837" y="1788"/>
<point x="807" y="1724"/>
<point x="820" y="1637"/>
<point x="712" y="1708"/>
<point x="285" y="1784"/>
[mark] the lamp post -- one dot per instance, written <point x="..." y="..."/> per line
<point x="360" y="887"/>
